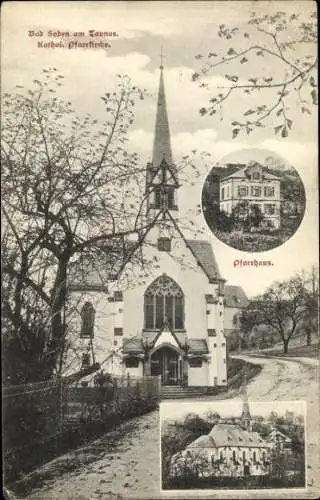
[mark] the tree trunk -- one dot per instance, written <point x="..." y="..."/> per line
<point x="285" y="346"/>
<point x="309" y="336"/>
<point x="58" y="299"/>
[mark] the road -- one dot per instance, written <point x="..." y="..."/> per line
<point x="125" y="463"/>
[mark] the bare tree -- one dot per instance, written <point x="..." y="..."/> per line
<point x="70" y="188"/>
<point x="286" y="48"/>
<point x="283" y="307"/>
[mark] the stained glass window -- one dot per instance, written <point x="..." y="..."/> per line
<point x="87" y="320"/>
<point x="164" y="301"/>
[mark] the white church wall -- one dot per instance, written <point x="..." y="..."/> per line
<point x="103" y="340"/>
<point x="134" y="372"/>
<point x="198" y="376"/>
<point x="213" y="364"/>
<point x="221" y="360"/>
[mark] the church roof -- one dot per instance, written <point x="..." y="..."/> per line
<point x="202" y="251"/>
<point x="198" y="346"/>
<point x="95" y="273"/>
<point x="234" y="435"/>
<point x="203" y="442"/>
<point x="134" y="345"/>
<point x="242" y="173"/>
<point x="234" y="296"/>
<point x="161" y="143"/>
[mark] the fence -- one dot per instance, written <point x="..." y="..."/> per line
<point x="43" y="420"/>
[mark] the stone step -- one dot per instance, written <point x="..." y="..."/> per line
<point x="178" y="392"/>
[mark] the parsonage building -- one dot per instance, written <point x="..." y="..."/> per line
<point x="171" y="323"/>
<point x="256" y="186"/>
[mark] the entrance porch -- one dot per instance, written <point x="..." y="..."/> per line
<point x="167" y="362"/>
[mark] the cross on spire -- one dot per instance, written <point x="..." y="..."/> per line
<point x="161" y="58"/>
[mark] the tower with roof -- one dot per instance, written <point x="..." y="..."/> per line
<point x="246" y="420"/>
<point x="161" y="173"/>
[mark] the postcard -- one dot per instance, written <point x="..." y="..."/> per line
<point x="160" y="250"/>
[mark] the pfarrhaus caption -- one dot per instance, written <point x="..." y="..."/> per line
<point x="72" y="39"/>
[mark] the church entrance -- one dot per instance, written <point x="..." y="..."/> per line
<point x="165" y="362"/>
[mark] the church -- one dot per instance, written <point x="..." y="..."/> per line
<point x="171" y="324"/>
<point x="229" y="450"/>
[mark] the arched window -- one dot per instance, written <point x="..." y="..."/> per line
<point x="87" y="320"/>
<point x="163" y="300"/>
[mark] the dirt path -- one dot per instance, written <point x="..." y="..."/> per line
<point x="121" y="464"/>
<point x="125" y="463"/>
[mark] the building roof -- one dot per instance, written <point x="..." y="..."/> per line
<point x="202" y="251"/>
<point x="242" y="173"/>
<point x="234" y="296"/>
<point x="96" y="273"/>
<point x="234" y="435"/>
<point x="134" y="345"/>
<point x="205" y="441"/>
<point x="198" y="346"/>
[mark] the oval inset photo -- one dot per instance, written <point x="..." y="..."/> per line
<point x="253" y="200"/>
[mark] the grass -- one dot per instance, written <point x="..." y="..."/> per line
<point x="306" y="351"/>
<point x="235" y="371"/>
<point x="252" y="242"/>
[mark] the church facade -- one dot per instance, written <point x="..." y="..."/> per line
<point x="170" y="322"/>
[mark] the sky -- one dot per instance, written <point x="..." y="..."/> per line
<point x="183" y="29"/>
<point x="178" y="411"/>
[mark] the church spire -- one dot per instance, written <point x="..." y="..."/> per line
<point x="245" y="416"/>
<point x="161" y="175"/>
<point x="161" y="143"/>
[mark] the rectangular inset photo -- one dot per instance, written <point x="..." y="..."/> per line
<point x="233" y="445"/>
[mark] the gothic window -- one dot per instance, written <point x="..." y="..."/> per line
<point x="157" y="198"/>
<point x="222" y="194"/>
<point x="87" y="320"/>
<point x="170" y="198"/>
<point x="164" y="300"/>
<point x="164" y="198"/>
<point x="233" y="456"/>
<point x="254" y="456"/>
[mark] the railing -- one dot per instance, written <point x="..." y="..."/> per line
<point x="42" y="420"/>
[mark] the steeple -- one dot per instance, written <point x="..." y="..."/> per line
<point x="245" y="416"/>
<point x="161" y="175"/>
<point x="161" y="142"/>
